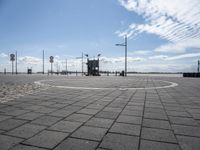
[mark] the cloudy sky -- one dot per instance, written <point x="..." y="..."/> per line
<point x="162" y="35"/>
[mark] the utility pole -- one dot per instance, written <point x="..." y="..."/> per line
<point x="198" y="66"/>
<point x="125" y="44"/>
<point x="16" y="62"/>
<point x="66" y="67"/>
<point x="43" y="62"/>
<point x="126" y="55"/>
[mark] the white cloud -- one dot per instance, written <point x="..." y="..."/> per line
<point x="3" y="55"/>
<point x="141" y="52"/>
<point x="162" y="57"/>
<point x="30" y="60"/>
<point x="176" y="21"/>
<point x="190" y="55"/>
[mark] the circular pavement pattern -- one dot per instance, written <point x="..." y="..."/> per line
<point x="107" y="83"/>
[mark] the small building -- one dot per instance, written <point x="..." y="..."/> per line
<point x="93" y="67"/>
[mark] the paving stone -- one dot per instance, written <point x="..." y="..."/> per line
<point x="7" y="142"/>
<point x="77" y="144"/>
<point x="186" y="130"/>
<point x="128" y="129"/>
<point x="78" y="117"/>
<point x="129" y="119"/>
<point x="178" y="113"/>
<point x="16" y="112"/>
<point x="152" y="145"/>
<point x="11" y="124"/>
<point x="88" y="111"/>
<point x="61" y="113"/>
<point x="30" y="116"/>
<point x="120" y="142"/>
<point x="46" y="120"/>
<point x="90" y="133"/>
<point x="45" y="110"/>
<point x="107" y="115"/>
<point x="162" y="124"/>
<point x="25" y="147"/>
<point x="183" y="121"/>
<point x="158" y="135"/>
<point x="26" y="130"/>
<point x="65" y="126"/>
<point x="46" y="139"/>
<point x="132" y="113"/>
<point x="3" y="117"/>
<point x="155" y="116"/>
<point x="188" y="143"/>
<point x="100" y="122"/>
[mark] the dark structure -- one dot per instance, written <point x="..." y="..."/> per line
<point x="93" y="67"/>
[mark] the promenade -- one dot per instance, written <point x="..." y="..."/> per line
<point x="99" y="113"/>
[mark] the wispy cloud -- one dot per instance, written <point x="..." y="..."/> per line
<point x="177" y="21"/>
<point x="3" y="55"/>
<point x="164" y="57"/>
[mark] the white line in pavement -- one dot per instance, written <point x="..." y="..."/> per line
<point x="172" y="84"/>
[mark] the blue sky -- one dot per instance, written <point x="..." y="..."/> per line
<point x="162" y="36"/>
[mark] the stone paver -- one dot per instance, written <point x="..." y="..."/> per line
<point x="114" y="119"/>
<point x="120" y="142"/>
<point x="65" y="126"/>
<point x="100" y="122"/>
<point x="152" y="145"/>
<point x="7" y="142"/>
<point x="26" y="130"/>
<point x="128" y="129"/>
<point x="158" y="135"/>
<point x="77" y="144"/>
<point x="90" y="133"/>
<point x="46" y="139"/>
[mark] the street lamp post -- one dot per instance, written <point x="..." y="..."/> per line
<point x="125" y="45"/>
<point x="98" y="62"/>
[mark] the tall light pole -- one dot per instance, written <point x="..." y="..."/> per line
<point x="198" y="66"/>
<point x="98" y="62"/>
<point x="125" y="45"/>
<point x="16" y="62"/>
<point x="66" y="67"/>
<point x="43" y="62"/>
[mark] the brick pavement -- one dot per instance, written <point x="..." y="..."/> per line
<point x="116" y="119"/>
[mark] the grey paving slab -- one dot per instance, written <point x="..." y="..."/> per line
<point x="183" y="121"/>
<point x="107" y="115"/>
<point x="7" y="142"/>
<point x="186" y="130"/>
<point x="25" y="147"/>
<point x="26" y="130"/>
<point x="120" y="142"/>
<point x="90" y="133"/>
<point x="129" y="119"/>
<point x="46" y="139"/>
<point x="46" y="120"/>
<point x="30" y="116"/>
<point x="77" y="144"/>
<point x="123" y="128"/>
<point x="151" y="115"/>
<point x="78" y="117"/>
<point x="88" y="111"/>
<point x="153" y="145"/>
<point x="65" y="126"/>
<point x="100" y="122"/>
<point x="11" y="124"/>
<point x="158" y="135"/>
<point x="188" y="143"/>
<point x="162" y="124"/>
<point x="3" y="117"/>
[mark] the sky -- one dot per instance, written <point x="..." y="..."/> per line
<point x="163" y="36"/>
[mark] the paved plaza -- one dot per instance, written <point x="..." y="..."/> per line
<point x="99" y="113"/>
